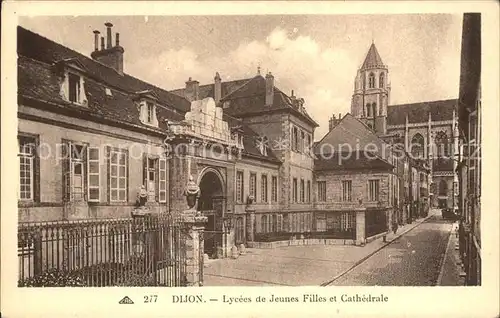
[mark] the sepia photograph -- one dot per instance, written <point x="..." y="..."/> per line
<point x="249" y="150"/>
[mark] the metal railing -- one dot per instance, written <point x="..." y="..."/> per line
<point x="146" y="251"/>
<point x="305" y="225"/>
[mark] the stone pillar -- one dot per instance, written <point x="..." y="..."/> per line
<point x="250" y="224"/>
<point x="193" y="227"/>
<point x="360" y="227"/>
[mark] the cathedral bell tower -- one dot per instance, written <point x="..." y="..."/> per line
<point x="372" y="92"/>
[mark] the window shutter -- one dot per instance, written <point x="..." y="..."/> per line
<point x="36" y="174"/>
<point x="108" y="172"/>
<point x="66" y="170"/>
<point x="162" y="180"/>
<point x="144" y="169"/>
<point x="94" y="176"/>
<point x="157" y="180"/>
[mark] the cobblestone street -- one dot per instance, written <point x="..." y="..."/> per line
<point x="414" y="259"/>
<point x="411" y="257"/>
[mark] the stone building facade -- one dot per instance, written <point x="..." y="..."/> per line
<point x="428" y="130"/>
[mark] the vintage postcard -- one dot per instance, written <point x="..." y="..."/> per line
<point x="330" y="154"/>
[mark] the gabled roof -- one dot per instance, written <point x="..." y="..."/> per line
<point x="349" y="131"/>
<point x="39" y="84"/>
<point x="208" y="90"/>
<point x="372" y="59"/>
<point x="353" y="160"/>
<point x="48" y="52"/>
<point x="250" y="99"/>
<point x="419" y="112"/>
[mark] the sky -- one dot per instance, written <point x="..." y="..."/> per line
<point x="317" y="56"/>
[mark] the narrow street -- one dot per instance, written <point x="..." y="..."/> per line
<point x="412" y="260"/>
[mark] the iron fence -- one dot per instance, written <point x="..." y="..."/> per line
<point x="146" y="251"/>
<point x="271" y="227"/>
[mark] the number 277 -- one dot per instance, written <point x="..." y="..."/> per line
<point x="150" y="299"/>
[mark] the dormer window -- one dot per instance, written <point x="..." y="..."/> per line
<point x="72" y="82"/>
<point x="151" y="112"/>
<point x="74" y="88"/>
<point x="148" y="113"/>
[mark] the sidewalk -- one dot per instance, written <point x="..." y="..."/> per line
<point x="451" y="273"/>
<point x="310" y="265"/>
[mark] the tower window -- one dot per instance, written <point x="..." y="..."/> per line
<point x="371" y="80"/>
<point x="381" y="80"/>
<point x="368" y="110"/>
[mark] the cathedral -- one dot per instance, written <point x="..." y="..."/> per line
<point x="427" y="129"/>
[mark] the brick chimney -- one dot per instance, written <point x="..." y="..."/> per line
<point x="217" y="87"/>
<point x="269" y="89"/>
<point x="110" y="55"/>
<point x="192" y="91"/>
<point x="333" y="121"/>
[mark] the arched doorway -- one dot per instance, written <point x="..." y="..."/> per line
<point x="212" y="205"/>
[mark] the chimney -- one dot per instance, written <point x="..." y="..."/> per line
<point x="217" y="87"/>
<point x="192" y="91"/>
<point x="96" y="40"/>
<point x="111" y="56"/>
<point x="333" y="122"/>
<point x="108" y="34"/>
<point x="269" y="89"/>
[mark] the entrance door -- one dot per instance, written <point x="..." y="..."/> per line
<point x="212" y="205"/>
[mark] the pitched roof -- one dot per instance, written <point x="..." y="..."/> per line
<point x="419" y="112"/>
<point x="249" y="140"/>
<point x="39" y="48"/>
<point x="349" y="132"/>
<point x="250" y="99"/>
<point x="208" y="89"/>
<point x="372" y="58"/>
<point x="353" y="160"/>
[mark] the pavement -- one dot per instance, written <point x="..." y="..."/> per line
<point x="311" y="265"/>
<point x="452" y="273"/>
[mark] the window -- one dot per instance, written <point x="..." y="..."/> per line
<point x="239" y="186"/>
<point x="302" y="191"/>
<point x="294" y="190"/>
<point x="274" y="189"/>
<point x="295" y="137"/>
<point x="347" y="191"/>
<point x="263" y="223"/>
<point x="74" y="88"/>
<point x="263" y="188"/>
<point x="118" y="176"/>
<point x="347" y="221"/>
<point x="322" y="191"/>
<point x="368" y="110"/>
<point x="81" y="172"/>
<point x="26" y="155"/>
<point x="252" y="185"/>
<point x="371" y="80"/>
<point x="373" y="190"/>
<point x="381" y="80"/>
<point x="442" y="146"/>
<point x="443" y="188"/>
<point x="148" y="113"/>
<point x="308" y="191"/>
<point x="308" y="144"/>
<point x="417" y="146"/>
<point x="302" y="141"/>
<point x="151" y="112"/>
<point x="155" y="178"/>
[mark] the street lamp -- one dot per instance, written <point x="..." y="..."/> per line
<point x="227" y="220"/>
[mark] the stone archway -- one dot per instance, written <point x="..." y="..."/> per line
<point x="212" y="205"/>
